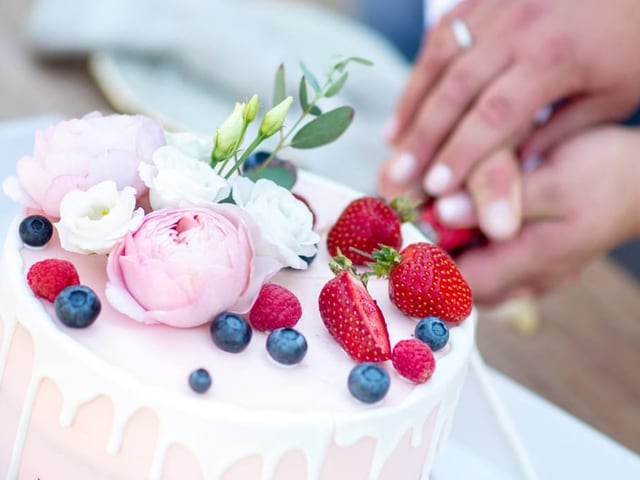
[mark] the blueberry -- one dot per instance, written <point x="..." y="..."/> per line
<point x="35" y="230"/>
<point x="368" y="382"/>
<point x="309" y="259"/>
<point x="255" y="160"/>
<point x="230" y="332"/>
<point x="286" y="346"/>
<point x="432" y="331"/>
<point x="200" y="380"/>
<point x="77" y="306"/>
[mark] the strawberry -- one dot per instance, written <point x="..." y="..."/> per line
<point x="424" y="281"/>
<point x="413" y="360"/>
<point x="352" y="317"/>
<point x="453" y="240"/>
<point x="275" y="307"/>
<point x="365" y="224"/>
<point x="50" y="276"/>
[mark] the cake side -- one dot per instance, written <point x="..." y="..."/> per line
<point x="84" y="368"/>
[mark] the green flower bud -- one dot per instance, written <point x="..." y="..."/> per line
<point x="274" y="118"/>
<point x="250" y="110"/>
<point x="229" y="134"/>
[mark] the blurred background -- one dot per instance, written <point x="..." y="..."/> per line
<point x="186" y="62"/>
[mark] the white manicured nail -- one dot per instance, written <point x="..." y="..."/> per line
<point x="402" y="168"/>
<point x="499" y="221"/>
<point x="438" y="179"/>
<point x="454" y="208"/>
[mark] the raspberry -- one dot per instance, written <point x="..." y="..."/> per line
<point x="48" y="277"/>
<point x="414" y="360"/>
<point x="275" y="307"/>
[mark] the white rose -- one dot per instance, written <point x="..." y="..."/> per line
<point x="286" y="222"/>
<point x="176" y="179"/>
<point x="94" y="220"/>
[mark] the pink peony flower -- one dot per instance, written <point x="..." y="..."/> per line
<point x="184" y="266"/>
<point x="79" y="153"/>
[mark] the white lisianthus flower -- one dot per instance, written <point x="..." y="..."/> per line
<point x="191" y="145"/>
<point x="176" y="179"/>
<point x="286" y="223"/>
<point x="94" y="220"/>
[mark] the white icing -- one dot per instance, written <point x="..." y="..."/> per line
<point x="82" y="373"/>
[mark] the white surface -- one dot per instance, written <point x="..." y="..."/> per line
<point x="501" y="431"/>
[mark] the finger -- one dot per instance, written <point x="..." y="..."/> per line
<point x="507" y="107"/>
<point x="495" y="186"/>
<point x="439" y="48"/>
<point x="572" y="117"/>
<point x="495" y="270"/>
<point x="543" y="196"/>
<point x="450" y="98"/>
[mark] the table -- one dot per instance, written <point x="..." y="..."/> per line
<point x="583" y="357"/>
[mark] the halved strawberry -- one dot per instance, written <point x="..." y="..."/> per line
<point x="352" y="316"/>
<point x="365" y="224"/>
<point x="424" y="281"/>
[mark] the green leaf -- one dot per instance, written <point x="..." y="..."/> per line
<point x="342" y="62"/>
<point x="304" y="100"/>
<point x="302" y="93"/>
<point x="323" y="129"/>
<point x="281" y="173"/>
<point x="310" y="77"/>
<point x="315" y="110"/>
<point x="337" y="85"/>
<point x="279" y="89"/>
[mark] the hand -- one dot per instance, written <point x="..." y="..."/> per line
<point x="583" y="200"/>
<point x="461" y="106"/>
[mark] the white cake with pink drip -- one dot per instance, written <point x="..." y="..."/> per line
<point x="112" y="396"/>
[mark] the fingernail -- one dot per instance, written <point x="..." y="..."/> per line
<point x="390" y="130"/>
<point x="454" y="208"/>
<point x="499" y="221"/>
<point x="438" y="179"/>
<point x="402" y="168"/>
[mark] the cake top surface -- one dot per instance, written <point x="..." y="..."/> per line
<point x="147" y="241"/>
<point x="161" y="356"/>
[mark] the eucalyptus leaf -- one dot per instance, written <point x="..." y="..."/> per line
<point x="323" y="129"/>
<point x="282" y="173"/>
<point x="315" y="110"/>
<point x="279" y="88"/>
<point x="310" y="77"/>
<point x="336" y="86"/>
<point x="342" y="62"/>
<point x="302" y="93"/>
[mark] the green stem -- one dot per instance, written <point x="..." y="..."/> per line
<point x="244" y="155"/>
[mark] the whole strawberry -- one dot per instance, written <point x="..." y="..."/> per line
<point x="424" y="281"/>
<point x="365" y="224"/>
<point x="351" y="316"/>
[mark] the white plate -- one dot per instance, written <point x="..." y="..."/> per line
<point x="181" y="100"/>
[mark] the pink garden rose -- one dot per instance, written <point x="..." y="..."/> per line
<point x="184" y="266"/>
<point x="79" y="153"/>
